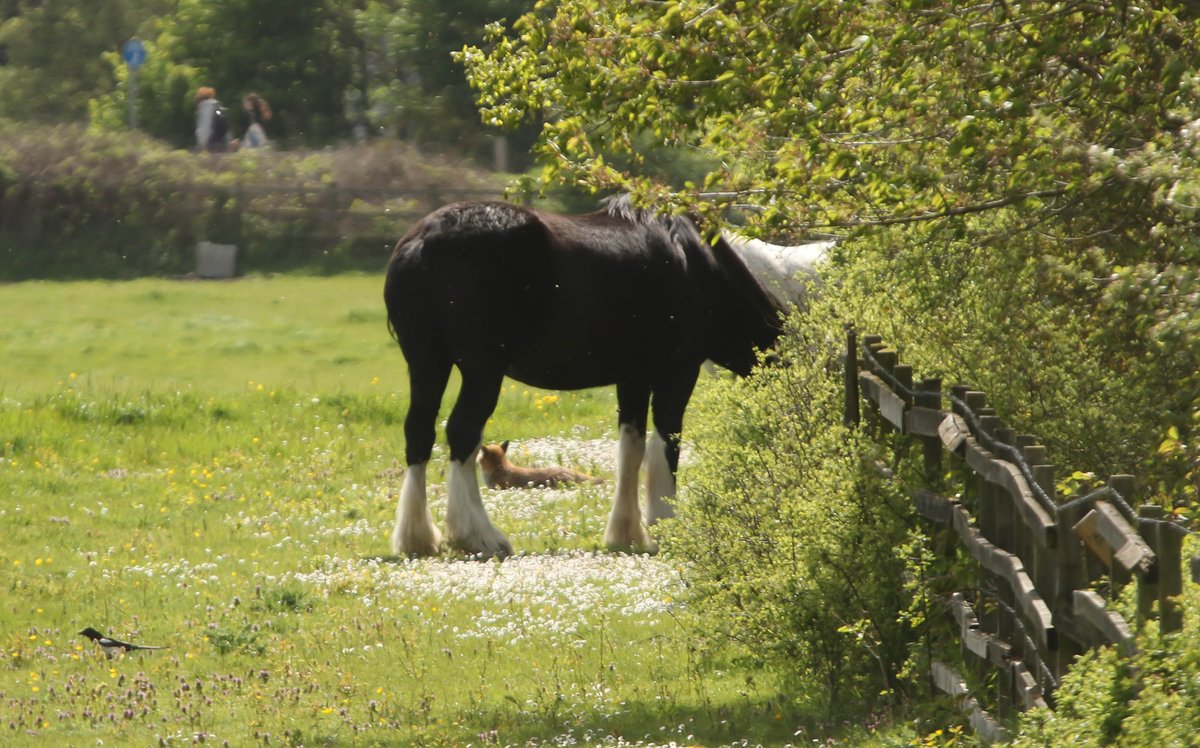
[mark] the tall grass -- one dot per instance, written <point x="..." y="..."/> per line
<point x="215" y="467"/>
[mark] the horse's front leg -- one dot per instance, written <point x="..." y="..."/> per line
<point x="662" y="454"/>
<point x="467" y="521"/>
<point x="625" y="530"/>
<point x="414" y="533"/>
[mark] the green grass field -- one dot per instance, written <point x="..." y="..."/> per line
<point x="215" y="466"/>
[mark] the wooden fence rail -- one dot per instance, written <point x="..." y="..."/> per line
<point x="335" y="210"/>
<point x="1035" y="609"/>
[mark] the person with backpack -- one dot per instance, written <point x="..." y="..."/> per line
<point x="212" y="122"/>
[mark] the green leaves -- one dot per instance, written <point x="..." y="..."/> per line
<point x="992" y="99"/>
<point x="791" y="538"/>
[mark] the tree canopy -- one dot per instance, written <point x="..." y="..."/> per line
<point x="409" y="84"/>
<point x="828" y="115"/>
<point x="329" y="68"/>
<point x="52" y="59"/>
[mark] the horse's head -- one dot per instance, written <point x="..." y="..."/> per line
<point x="748" y="318"/>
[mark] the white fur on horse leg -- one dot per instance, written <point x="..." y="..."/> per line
<point x="414" y="534"/>
<point x="467" y="521"/>
<point x="625" y="528"/>
<point x="660" y="483"/>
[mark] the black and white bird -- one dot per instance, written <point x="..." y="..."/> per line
<point x="112" y="646"/>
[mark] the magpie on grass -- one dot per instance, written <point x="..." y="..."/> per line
<point x="112" y="646"/>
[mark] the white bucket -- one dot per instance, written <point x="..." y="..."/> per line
<point x="215" y="260"/>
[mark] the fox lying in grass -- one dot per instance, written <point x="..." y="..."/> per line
<point x="499" y="473"/>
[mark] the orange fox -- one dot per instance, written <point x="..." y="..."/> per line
<point x="498" y="472"/>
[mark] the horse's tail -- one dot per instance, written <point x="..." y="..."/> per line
<point x="391" y="287"/>
<point x="389" y="290"/>
<point x="392" y="330"/>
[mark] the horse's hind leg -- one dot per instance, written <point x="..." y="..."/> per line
<point x="467" y="521"/>
<point x="415" y="534"/>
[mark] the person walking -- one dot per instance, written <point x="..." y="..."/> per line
<point x="258" y="112"/>
<point x="212" y="123"/>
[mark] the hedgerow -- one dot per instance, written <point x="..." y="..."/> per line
<point x="91" y="203"/>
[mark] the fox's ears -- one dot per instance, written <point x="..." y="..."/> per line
<point x="504" y="446"/>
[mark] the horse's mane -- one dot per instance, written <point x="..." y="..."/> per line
<point x="681" y="229"/>
<point x="684" y="232"/>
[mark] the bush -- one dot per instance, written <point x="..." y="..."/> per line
<point x="1148" y="698"/>
<point x="796" y="546"/>
<point x="80" y="203"/>
<point x="790" y="532"/>
<point x="1041" y="326"/>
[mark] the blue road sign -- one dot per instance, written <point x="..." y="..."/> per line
<point x="134" y="53"/>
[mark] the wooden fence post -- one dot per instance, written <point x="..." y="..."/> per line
<point x="873" y="344"/>
<point x="887" y="359"/>
<point x="929" y="395"/>
<point x="1008" y="518"/>
<point x="1170" y="575"/>
<point x="904" y="378"/>
<point x="975" y="401"/>
<point x="1048" y="561"/>
<point x="1025" y="541"/>
<point x="1072" y="575"/>
<point x="993" y="499"/>
<point x="850" y="415"/>
<point x="1149" y="516"/>
<point x="1009" y="530"/>
<point x="1045" y="559"/>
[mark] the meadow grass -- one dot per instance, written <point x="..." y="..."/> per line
<point x="215" y="467"/>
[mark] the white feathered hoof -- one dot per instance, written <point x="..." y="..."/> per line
<point x="414" y="533"/>
<point x="660" y="481"/>
<point x="627" y="534"/>
<point x="416" y="539"/>
<point x="467" y="523"/>
<point x="483" y="545"/>
<point x="657" y="509"/>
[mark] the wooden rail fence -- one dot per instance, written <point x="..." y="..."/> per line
<point x="1036" y="607"/>
<point x="336" y="210"/>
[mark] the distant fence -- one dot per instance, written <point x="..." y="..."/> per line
<point x="1034" y="610"/>
<point x="108" y="225"/>
<point x="314" y="223"/>
<point x="336" y="211"/>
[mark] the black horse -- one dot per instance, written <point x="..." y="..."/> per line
<point x="619" y="296"/>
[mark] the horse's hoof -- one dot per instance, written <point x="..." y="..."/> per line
<point x="490" y="556"/>
<point x="630" y="540"/>
<point x="650" y="548"/>
<point x="484" y="549"/>
<point x="410" y="542"/>
<point x="417" y="551"/>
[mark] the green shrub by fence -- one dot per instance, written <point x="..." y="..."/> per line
<point x="1035" y="608"/>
